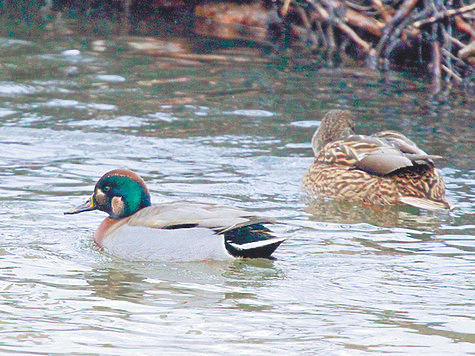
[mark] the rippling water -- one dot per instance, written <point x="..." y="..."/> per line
<point x="231" y="129"/>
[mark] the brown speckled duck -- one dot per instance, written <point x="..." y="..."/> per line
<point x="382" y="169"/>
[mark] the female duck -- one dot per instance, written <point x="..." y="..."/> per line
<point x="382" y="169"/>
<point x="178" y="231"/>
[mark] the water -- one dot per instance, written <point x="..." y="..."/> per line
<point x="233" y="128"/>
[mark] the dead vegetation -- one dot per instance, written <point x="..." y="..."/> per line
<point x="433" y="35"/>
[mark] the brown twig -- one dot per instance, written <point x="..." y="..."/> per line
<point x="345" y="28"/>
<point x="443" y="15"/>
<point x="308" y="26"/>
<point x="436" y="63"/>
<point x="285" y="8"/>
<point x="378" y="5"/>
<point x="322" y="35"/>
<point x="463" y="26"/>
<point x="468" y="51"/>
<point x="452" y="57"/>
<point x="400" y="14"/>
<point x="452" y="74"/>
<point x="403" y="11"/>
<point x="364" y="22"/>
<point x="456" y="41"/>
<point x="331" y="43"/>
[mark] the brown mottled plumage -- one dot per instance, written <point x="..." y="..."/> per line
<point x="382" y="169"/>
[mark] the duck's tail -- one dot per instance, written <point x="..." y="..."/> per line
<point x="426" y="203"/>
<point x="252" y="241"/>
<point x="257" y="249"/>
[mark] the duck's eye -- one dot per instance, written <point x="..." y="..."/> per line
<point x="106" y="188"/>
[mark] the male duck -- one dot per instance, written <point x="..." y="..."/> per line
<point x="385" y="168"/>
<point x="178" y="231"/>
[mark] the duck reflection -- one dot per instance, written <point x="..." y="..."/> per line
<point x="382" y="216"/>
<point x="187" y="284"/>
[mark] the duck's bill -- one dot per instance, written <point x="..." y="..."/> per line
<point x="87" y="206"/>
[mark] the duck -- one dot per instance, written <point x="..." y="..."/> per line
<point x="385" y="168"/>
<point x="172" y="231"/>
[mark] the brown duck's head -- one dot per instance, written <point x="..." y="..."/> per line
<point x="335" y="125"/>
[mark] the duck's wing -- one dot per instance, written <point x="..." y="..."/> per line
<point x="174" y="215"/>
<point x="408" y="147"/>
<point x="245" y="234"/>
<point x="373" y="154"/>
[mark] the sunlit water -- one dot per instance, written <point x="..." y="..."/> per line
<point x="234" y="130"/>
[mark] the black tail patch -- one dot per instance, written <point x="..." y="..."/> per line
<point x="250" y="242"/>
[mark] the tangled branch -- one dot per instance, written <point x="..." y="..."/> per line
<point x="439" y="36"/>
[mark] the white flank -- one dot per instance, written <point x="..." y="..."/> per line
<point x="139" y="243"/>
<point x="257" y="244"/>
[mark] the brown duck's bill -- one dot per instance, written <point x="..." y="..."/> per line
<point x="87" y="206"/>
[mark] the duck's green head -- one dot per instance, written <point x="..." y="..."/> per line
<point x="119" y="193"/>
<point x="335" y="124"/>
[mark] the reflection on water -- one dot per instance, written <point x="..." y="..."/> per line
<point x="190" y="285"/>
<point x="229" y="126"/>
<point x="385" y="216"/>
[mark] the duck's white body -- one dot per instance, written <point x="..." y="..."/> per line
<point x="150" y="244"/>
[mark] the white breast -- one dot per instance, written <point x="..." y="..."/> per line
<point x="141" y="243"/>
